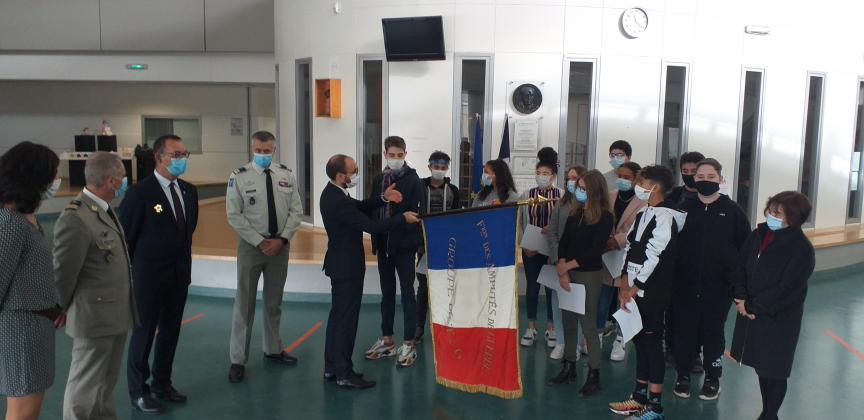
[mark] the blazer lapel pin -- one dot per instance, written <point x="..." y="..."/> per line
<point x="158" y="208"/>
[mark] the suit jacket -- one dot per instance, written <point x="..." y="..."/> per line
<point x="92" y="270"/>
<point x="161" y="253"/>
<point x="345" y="220"/>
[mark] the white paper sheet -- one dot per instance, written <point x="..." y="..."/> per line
<point x="535" y="240"/>
<point x="614" y="262"/>
<point x="630" y="323"/>
<point x="573" y="301"/>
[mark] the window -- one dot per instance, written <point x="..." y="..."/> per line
<point x="673" y="118"/>
<point x="855" y="178"/>
<point x="303" y="89"/>
<point x="187" y="128"/>
<point x="577" y="115"/>
<point x="372" y="115"/>
<point x="749" y="134"/>
<point x="472" y="118"/>
<point x="812" y="135"/>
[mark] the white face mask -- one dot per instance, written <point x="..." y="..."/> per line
<point x="52" y="189"/>
<point x="642" y="193"/>
<point x="395" y="164"/>
<point x="438" y="175"/>
<point x="544" y="181"/>
<point x="353" y="181"/>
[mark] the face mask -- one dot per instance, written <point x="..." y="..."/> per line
<point x="617" y="161"/>
<point x="581" y="195"/>
<point x="263" y="161"/>
<point x="774" y="223"/>
<point x="177" y="166"/>
<point x="642" y="193"/>
<point x="544" y="181"/>
<point x="122" y="190"/>
<point x="707" y="188"/>
<point x="624" y="184"/>
<point x="438" y="175"/>
<point x="689" y="181"/>
<point x="52" y="189"/>
<point x="353" y="181"/>
<point x="395" y="164"/>
<point x="486" y="180"/>
<point x="571" y="187"/>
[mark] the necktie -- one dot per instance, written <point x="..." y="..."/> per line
<point x="272" y="225"/>
<point x="178" y="208"/>
<point x="114" y="218"/>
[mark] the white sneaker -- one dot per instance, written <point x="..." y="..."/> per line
<point x="551" y="341"/>
<point x="406" y="355"/>
<point x="380" y="350"/>
<point x="619" y="350"/>
<point x="529" y="337"/>
<point x="557" y="352"/>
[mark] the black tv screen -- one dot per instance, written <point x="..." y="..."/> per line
<point x="414" y="38"/>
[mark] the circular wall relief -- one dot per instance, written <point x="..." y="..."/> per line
<point x="527" y="98"/>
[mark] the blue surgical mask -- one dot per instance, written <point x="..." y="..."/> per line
<point x="486" y="180"/>
<point x="581" y="195"/>
<point x="617" y="161"/>
<point x="571" y="187"/>
<point x="123" y="186"/>
<point x="177" y="166"/>
<point x="774" y="223"/>
<point x="263" y="161"/>
<point x="624" y="184"/>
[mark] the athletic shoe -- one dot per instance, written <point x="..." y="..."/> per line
<point x="406" y="355"/>
<point x="380" y="349"/>
<point x="647" y="414"/>
<point x="557" y="352"/>
<point x="710" y="390"/>
<point x="619" y="350"/>
<point x="550" y="339"/>
<point x="626" y="407"/>
<point x="682" y="387"/>
<point x="529" y="337"/>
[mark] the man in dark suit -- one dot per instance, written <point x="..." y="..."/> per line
<point x="345" y="220"/>
<point x="159" y="216"/>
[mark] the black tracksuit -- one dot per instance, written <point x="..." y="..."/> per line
<point x="708" y="252"/>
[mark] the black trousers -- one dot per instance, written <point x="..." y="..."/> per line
<point x="422" y="299"/>
<point x="160" y="308"/>
<point x="650" y="364"/>
<point x="388" y="268"/>
<point x="346" y="296"/>
<point x="773" y="394"/>
<point x="700" y="320"/>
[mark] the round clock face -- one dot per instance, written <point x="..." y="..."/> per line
<point x="634" y="22"/>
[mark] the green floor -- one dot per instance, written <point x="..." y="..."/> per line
<point x="825" y="383"/>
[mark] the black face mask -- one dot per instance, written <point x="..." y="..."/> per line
<point x="689" y="181"/>
<point x="707" y="188"/>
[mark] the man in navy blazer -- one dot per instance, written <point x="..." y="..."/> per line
<point x="345" y="220"/>
<point x="159" y="216"/>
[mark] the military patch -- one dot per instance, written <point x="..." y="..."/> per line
<point x="231" y="182"/>
<point x="284" y="184"/>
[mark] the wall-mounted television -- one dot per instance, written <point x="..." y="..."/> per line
<point x="414" y="38"/>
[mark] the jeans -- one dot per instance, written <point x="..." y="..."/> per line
<point x="533" y="265"/>
<point x="607" y="293"/>
<point x="388" y="267"/>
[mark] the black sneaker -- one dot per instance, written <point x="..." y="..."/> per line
<point x="682" y="387"/>
<point x="710" y="390"/>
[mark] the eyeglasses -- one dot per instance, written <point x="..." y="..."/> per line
<point x="177" y="155"/>
<point x="617" y="155"/>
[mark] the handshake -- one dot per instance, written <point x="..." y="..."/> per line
<point x="391" y="195"/>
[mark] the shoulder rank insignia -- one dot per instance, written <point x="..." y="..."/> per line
<point x="284" y="167"/>
<point x="73" y="205"/>
<point x="240" y="170"/>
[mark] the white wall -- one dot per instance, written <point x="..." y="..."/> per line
<point x="51" y="113"/>
<point x="530" y="39"/>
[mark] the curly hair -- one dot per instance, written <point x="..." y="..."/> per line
<point x="26" y="171"/>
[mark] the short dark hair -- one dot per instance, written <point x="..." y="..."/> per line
<point x="796" y="207"/>
<point x="660" y="175"/>
<point x="394" y="141"/>
<point x="26" y="171"/>
<point x="336" y="165"/>
<point x="632" y="166"/>
<point x="264" y="136"/>
<point x="691" y="157"/>
<point x="548" y="157"/>
<point x="159" y="144"/>
<point x="439" y="155"/>
<point x="712" y="163"/>
<point x="622" y="145"/>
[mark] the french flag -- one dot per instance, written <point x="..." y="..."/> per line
<point x="472" y="297"/>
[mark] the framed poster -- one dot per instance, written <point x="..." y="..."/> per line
<point x="526" y="134"/>
<point x="524" y="165"/>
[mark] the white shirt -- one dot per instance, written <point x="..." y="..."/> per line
<point x="99" y="202"/>
<point x="341" y="188"/>
<point x="166" y="188"/>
